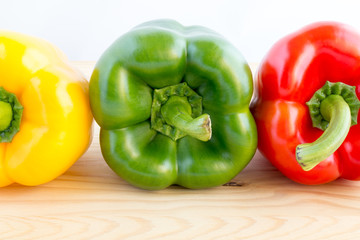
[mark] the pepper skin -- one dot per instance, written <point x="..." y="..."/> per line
<point x="288" y="78"/>
<point x="173" y="106"/>
<point x="55" y="126"/>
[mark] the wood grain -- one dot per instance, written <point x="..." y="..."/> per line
<point x="90" y="202"/>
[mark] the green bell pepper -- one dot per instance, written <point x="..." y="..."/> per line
<point x="173" y="106"/>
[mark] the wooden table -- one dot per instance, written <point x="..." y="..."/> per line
<point x="90" y="202"/>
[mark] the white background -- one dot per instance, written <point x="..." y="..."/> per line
<point x="84" y="29"/>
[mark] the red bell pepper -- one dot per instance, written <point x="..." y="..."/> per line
<point x="306" y="105"/>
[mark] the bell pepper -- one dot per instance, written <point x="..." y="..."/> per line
<point x="173" y="106"/>
<point x="45" y="117"/>
<point x="306" y="107"/>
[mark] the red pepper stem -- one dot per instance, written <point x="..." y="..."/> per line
<point x="337" y="112"/>
<point x="177" y="113"/>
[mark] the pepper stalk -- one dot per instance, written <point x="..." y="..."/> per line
<point x="333" y="108"/>
<point x="177" y="112"/>
<point x="10" y="115"/>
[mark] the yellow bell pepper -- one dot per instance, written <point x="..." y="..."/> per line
<point x="55" y="126"/>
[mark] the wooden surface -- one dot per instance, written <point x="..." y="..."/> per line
<point x="90" y="202"/>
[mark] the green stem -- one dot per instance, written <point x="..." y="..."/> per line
<point x="183" y="114"/>
<point x="177" y="113"/>
<point x="10" y="115"/>
<point x="337" y="111"/>
<point x="6" y="115"/>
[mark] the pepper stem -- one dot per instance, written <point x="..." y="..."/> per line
<point x="177" y="112"/>
<point x="6" y="115"/>
<point x="183" y="113"/>
<point x="335" y="110"/>
<point x="10" y="115"/>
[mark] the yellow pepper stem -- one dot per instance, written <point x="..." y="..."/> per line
<point x="6" y="115"/>
<point x="10" y="115"/>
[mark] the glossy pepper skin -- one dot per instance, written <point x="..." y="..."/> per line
<point x="162" y="60"/>
<point x="289" y="75"/>
<point x="55" y="126"/>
